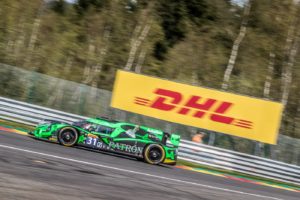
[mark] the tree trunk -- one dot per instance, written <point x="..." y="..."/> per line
<point x="20" y="41"/>
<point x="34" y="35"/>
<point x="194" y="78"/>
<point x="141" y="60"/>
<point x="269" y="76"/>
<point x="135" y="34"/>
<point x="32" y="42"/>
<point x="57" y="96"/>
<point x="98" y="67"/>
<point x="87" y="74"/>
<point x="91" y="73"/>
<point x="236" y="45"/>
<point x="297" y="119"/>
<point x="291" y="48"/>
<point x="288" y="47"/>
<point x="16" y="34"/>
<point x="135" y="45"/>
<point x="9" y="46"/>
<point x="289" y="71"/>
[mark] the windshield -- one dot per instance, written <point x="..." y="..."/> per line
<point x="80" y="123"/>
<point x="93" y="127"/>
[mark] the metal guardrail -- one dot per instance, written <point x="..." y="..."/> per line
<point x="189" y="151"/>
<point x="239" y="162"/>
<point x="32" y="114"/>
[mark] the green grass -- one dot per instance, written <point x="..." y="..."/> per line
<point x="237" y="174"/>
<point x="16" y="125"/>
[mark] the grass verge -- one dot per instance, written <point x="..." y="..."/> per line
<point x="238" y="174"/>
<point x="16" y="125"/>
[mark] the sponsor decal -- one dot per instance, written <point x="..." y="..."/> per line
<point x="95" y="143"/>
<point x="172" y="101"/>
<point x="219" y="111"/>
<point x="154" y="131"/>
<point x="127" y="148"/>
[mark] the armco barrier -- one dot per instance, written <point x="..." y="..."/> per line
<point x="189" y="151"/>
<point x="31" y="114"/>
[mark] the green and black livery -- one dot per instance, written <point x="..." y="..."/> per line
<point x="148" y="144"/>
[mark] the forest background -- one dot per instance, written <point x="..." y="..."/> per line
<point x="246" y="47"/>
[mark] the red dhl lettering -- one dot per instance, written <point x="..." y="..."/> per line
<point x="172" y="101"/>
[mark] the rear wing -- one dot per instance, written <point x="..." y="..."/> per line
<point x="173" y="139"/>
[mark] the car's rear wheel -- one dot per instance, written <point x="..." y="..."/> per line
<point x="154" y="154"/>
<point x="67" y="136"/>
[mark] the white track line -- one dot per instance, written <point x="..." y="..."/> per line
<point x="135" y="172"/>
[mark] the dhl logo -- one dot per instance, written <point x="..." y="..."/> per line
<point x="172" y="101"/>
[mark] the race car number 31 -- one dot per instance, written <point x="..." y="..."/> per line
<point x="94" y="142"/>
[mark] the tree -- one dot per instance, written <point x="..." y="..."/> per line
<point x="236" y="45"/>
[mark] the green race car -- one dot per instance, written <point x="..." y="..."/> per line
<point x="148" y="144"/>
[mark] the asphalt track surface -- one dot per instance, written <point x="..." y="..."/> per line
<point x="33" y="169"/>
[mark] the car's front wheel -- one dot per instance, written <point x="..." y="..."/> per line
<point x="154" y="154"/>
<point x="67" y="136"/>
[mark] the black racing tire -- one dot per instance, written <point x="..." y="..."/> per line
<point x="154" y="154"/>
<point x="67" y="136"/>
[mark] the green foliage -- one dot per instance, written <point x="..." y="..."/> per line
<point x="82" y="6"/>
<point x="10" y="83"/>
<point x="189" y="41"/>
<point x="200" y="10"/>
<point x="172" y="14"/>
<point x="59" y="6"/>
<point x="160" y="50"/>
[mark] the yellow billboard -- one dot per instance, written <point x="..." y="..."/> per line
<point x="210" y="109"/>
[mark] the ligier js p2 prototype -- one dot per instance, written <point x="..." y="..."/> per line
<point x="150" y="145"/>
